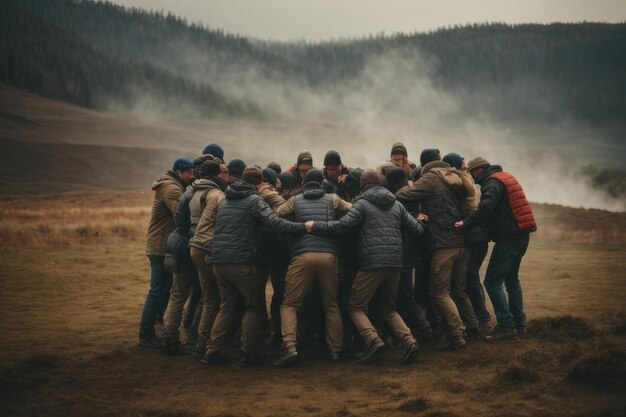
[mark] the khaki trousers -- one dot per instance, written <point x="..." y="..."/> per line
<point x="365" y="285"/>
<point x="303" y="270"/>
<point x="182" y="283"/>
<point x="210" y="294"/>
<point x="448" y="279"/>
<point x="232" y="280"/>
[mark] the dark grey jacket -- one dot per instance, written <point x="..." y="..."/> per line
<point x="379" y="218"/>
<point x="238" y="218"/>
<point x="314" y="204"/>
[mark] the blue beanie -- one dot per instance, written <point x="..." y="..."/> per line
<point x="215" y="150"/>
<point x="182" y="164"/>
<point x="454" y="160"/>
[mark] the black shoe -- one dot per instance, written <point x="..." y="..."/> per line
<point x="336" y="357"/>
<point x="501" y="334"/>
<point x="410" y="354"/>
<point x="375" y="347"/>
<point x="250" y="360"/>
<point x="213" y="358"/>
<point x="475" y="333"/>
<point x="521" y="332"/>
<point x="170" y="347"/>
<point x="150" y="341"/>
<point x="452" y="343"/>
<point x="289" y="355"/>
<point x="425" y="336"/>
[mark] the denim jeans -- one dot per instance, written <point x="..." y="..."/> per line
<point x="475" y="292"/>
<point x="158" y="294"/>
<point x="502" y="273"/>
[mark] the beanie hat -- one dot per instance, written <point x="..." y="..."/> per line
<point x="396" y="178"/>
<point x="275" y="166"/>
<point x="454" y="160"/>
<point x="270" y="176"/>
<point x="332" y="158"/>
<point x="314" y="175"/>
<point x="399" y="149"/>
<point x="478" y="162"/>
<point x="215" y="150"/>
<point x="252" y="175"/>
<point x="287" y="181"/>
<point x="429" y="155"/>
<point x="182" y="164"/>
<point x="416" y="173"/>
<point x="370" y="177"/>
<point x="236" y="168"/>
<point x="353" y="182"/>
<point x="209" y="168"/>
<point x="304" y="157"/>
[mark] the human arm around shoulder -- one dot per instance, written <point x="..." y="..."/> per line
<point x="272" y="198"/>
<point x="410" y="223"/>
<point x="264" y="214"/>
<point x="420" y="190"/>
<point x="491" y="194"/>
<point x="353" y="218"/>
<point x="287" y="208"/>
<point x="340" y="204"/>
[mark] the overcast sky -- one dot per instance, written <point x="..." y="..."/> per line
<point x="325" y="19"/>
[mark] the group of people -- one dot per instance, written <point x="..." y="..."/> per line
<point x="356" y="257"/>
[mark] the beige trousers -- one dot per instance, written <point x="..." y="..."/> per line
<point x="210" y="294"/>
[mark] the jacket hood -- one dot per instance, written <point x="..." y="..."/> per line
<point x="170" y="176"/>
<point x="487" y="173"/>
<point x="240" y="189"/>
<point x="445" y="172"/>
<point x="379" y="196"/>
<point x="313" y="190"/>
<point x="206" y="183"/>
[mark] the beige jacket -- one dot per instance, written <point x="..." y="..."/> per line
<point x="167" y="191"/>
<point x="205" y="229"/>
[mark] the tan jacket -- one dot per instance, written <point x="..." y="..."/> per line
<point x="272" y="198"/>
<point x="167" y="190"/>
<point x="205" y="229"/>
<point x="473" y="195"/>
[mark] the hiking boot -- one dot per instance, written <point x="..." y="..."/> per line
<point x="213" y="358"/>
<point x="289" y="355"/>
<point x="375" y="347"/>
<point x="500" y="333"/>
<point x="475" y="333"/>
<point x="452" y="343"/>
<point x="198" y="351"/>
<point x="521" y="332"/>
<point x="410" y="354"/>
<point x="336" y="357"/>
<point x="251" y="359"/>
<point x="170" y="347"/>
<point x="486" y="327"/>
<point x="149" y="341"/>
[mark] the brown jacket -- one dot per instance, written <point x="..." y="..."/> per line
<point x="272" y="198"/>
<point x="205" y="229"/>
<point x="167" y="190"/>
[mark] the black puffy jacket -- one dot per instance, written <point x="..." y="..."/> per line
<point x="237" y="221"/>
<point x="314" y="204"/>
<point x="380" y="219"/>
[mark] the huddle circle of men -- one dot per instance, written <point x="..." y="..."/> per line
<point x="357" y="258"/>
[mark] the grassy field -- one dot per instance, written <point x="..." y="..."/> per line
<point x="74" y="279"/>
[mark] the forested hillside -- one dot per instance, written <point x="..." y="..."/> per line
<point x="90" y="52"/>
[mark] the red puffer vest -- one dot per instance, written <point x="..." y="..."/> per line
<point x="517" y="200"/>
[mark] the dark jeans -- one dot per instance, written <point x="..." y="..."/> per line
<point x="158" y="294"/>
<point x="474" y="290"/>
<point x="502" y="273"/>
<point x="407" y="307"/>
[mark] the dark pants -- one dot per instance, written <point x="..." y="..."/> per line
<point x="502" y="273"/>
<point x="277" y="274"/>
<point x="409" y="310"/>
<point x="157" y="297"/>
<point x="420" y="289"/>
<point x="475" y="292"/>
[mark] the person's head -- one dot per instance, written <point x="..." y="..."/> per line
<point x="287" y="181"/>
<point x="314" y="175"/>
<point x="210" y="168"/>
<point x="236" y="168"/>
<point x="455" y="160"/>
<point x="253" y="175"/>
<point x="333" y="165"/>
<point x="353" y="182"/>
<point x="214" y="150"/>
<point x="396" y="179"/>
<point x="370" y="178"/>
<point x="477" y="165"/>
<point x="429" y="155"/>
<point x="399" y="155"/>
<point x="275" y="166"/>
<point x="183" y="167"/>
<point x="270" y="176"/>
<point x="304" y="162"/>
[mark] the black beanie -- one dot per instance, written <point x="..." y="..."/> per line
<point x="314" y="175"/>
<point x="270" y="176"/>
<point x="332" y="158"/>
<point x="396" y="178"/>
<point x="275" y="166"/>
<point x="416" y="174"/>
<point x="429" y="155"/>
<point x="399" y="149"/>
<point x="287" y="181"/>
<point x="209" y="168"/>
<point x="236" y="168"/>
